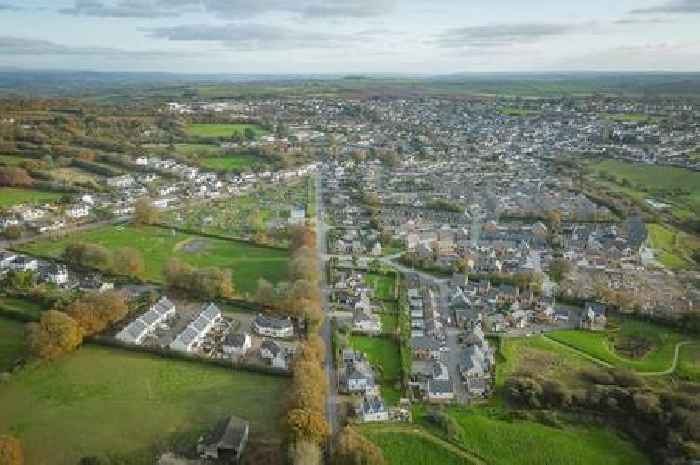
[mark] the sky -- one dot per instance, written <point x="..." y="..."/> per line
<point x="350" y="36"/>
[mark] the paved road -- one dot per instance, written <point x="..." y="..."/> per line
<point x="321" y="243"/>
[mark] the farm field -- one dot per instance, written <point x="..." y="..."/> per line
<point x="661" y="344"/>
<point x="413" y="446"/>
<point x="673" y="248"/>
<point x="383" y="354"/>
<point x="10" y="196"/>
<point x="104" y="402"/>
<point x="73" y="175"/>
<point x="247" y="262"/>
<point x="222" y="130"/>
<point x="660" y="182"/>
<point x="197" y="150"/>
<point x="11" y="342"/>
<point x="21" y="306"/>
<point x="484" y="432"/>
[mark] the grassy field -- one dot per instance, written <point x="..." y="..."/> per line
<point x="101" y="401"/>
<point x="660" y="182"/>
<point x="383" y="354"/>
<point x="512" y="111"/>
<point x="233" y="163"/>
<point x="247" y="262"/>
<point x="602" y="344"/>
<point x="673" y="248"/>
<point x="10" y="196"/>
<point x="383" y="285"/>
<point x="73" y="175"/>
<point x="537" y="355"/>
<point x="11" y="343"/>
<point x="689" y="362"/>
<point x="499" y="440"/>
<point x="21" y="306"/>
<point x="404" y="446"/>
<point x="198" y="150"/>
<point x="222" y="130"/>
<point x="12" y="160"/>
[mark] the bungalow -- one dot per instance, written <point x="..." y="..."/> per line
<point x="226" y="442"/>
<point x="236" y="345"/>
<point x="273" y="327"/>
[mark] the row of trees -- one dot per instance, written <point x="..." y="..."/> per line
<point x="125" y="261"/>
<point x="305" y="420"/>
<point x="206" y="283"/>
<point x="60" y="332"/>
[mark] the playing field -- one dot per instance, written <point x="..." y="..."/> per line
<point x="247" y="262"/>
<point x="602" y="345"/>
<point x="11" y="342"/>
<point x="100" y="402"/>
<point x="222" y="130"/>
<point x="10" y="196"/>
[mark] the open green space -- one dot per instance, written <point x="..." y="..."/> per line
<point x="512" y="111"/>
<point x="222" y="130"/>
<point x="413" y="446"/>
<point x="537" y="355"/>
<point x="631" y="117"/>
<point x="498" y="439"/>
<point x="677" y="186"/>
<point x="11" y="343"/>
<point x="10" y="196"/>
<point x="21" y="307"/>
<point x="247" y="262"/>
<point x="654" y="344"/>
<point x="383" y="354"/>
<point x="73" y="175"/>
<point x="234" y="163"/>
<point x="198" y="150"/>
<point x="673" y="248"/>
<point x="383" y="285"/>
<point x="100" y="402"/>
<point x="689" y="362"/>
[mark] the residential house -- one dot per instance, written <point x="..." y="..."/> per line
<point x="274" y="354"/>
<point x="273" y="327"/>
<point x="237" y="344"/>
<point x="226" y="442"/>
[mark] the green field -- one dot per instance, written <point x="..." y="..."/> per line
<point x="500" y="440"/>
<point x="222" y="130"/>
<point x="232" y="163"/>
<point x="100" y="401"/>
<point x="522" y="112"/>
<point x="673" y="248"/>
<point x="404" y="446"/>
<point x="383" y="285"/>
<point x="631" y="117"/>
<point x="247" y="262"/>
<point x="383" y="354"/>
<point x="689" y="362"/>
<point x="22" y="307"/>
<point x="12" y="160"/>
<point x="677" y="186"/>
<point x="198" y="150"/>
<point x="601" y="344"/>
<point x="11" y="343"/>
<point x="537" y="355"/>
<point x="10" y="196"/>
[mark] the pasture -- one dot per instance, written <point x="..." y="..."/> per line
<point x="247" y="262"/>
<point x="673" y="248"/>
<point x="112" y="403"/>
<point x="10" y="196"/>
<point x="231" y="163"/>
<point x="22" y="307"/>
<point x="222" y="130"/>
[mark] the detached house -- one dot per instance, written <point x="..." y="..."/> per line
<point x="273" y="327"/>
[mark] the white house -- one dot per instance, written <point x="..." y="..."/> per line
<point x="78" y="211"/>
<point x="189" y="339"/>
<point x="6" y="258"/>
<point x="138" y="329"/>
<point x="372" y="408"/>
<point x="274" y="354"/>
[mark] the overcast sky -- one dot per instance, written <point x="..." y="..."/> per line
<point x="350" y="36"/>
